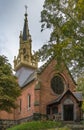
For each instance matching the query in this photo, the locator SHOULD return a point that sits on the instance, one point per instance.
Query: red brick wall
(24, 102)
(37, 102)
(4, 115)
(47, 94)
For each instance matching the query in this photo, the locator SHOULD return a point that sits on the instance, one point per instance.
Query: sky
(12, 21)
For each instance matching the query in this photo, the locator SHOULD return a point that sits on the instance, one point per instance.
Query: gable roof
(77, 95)
(25, 75)
(43, 67)
(31, 76)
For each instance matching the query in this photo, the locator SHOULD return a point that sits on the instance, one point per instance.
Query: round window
(57, 85)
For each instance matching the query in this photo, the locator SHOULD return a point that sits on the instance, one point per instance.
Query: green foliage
(80, 83)
(66, 20)
(83, 106)
(37, 125)
(80, 87)
(9, 88)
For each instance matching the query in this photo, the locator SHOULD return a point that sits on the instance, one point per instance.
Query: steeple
(26, 34)
(25, 57)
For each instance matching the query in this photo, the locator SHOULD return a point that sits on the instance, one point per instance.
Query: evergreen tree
(9, 88)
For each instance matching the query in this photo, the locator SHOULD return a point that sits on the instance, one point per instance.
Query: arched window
(57, 84)
(29, 101)
(20, 105)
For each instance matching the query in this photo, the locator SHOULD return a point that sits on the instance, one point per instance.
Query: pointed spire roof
(26, 34)
(25, 57)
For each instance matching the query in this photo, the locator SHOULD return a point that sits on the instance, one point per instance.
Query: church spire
(26, 34)
(25, 57)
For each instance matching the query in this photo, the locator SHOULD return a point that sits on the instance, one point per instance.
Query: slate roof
(78, 95)
(31, 77)
(24, 75)
(25, 29)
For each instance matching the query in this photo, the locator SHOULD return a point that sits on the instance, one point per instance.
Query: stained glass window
(57, 84)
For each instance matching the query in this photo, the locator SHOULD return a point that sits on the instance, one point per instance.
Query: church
(46, 93)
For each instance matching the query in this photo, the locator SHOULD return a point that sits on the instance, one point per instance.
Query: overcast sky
(12, 21)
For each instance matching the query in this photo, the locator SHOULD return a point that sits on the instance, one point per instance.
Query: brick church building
(46, 92)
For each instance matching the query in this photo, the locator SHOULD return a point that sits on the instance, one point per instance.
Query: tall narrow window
(29, 101)
(20, 105)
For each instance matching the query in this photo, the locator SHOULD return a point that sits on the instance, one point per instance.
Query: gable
(48, 71)
(65, 96)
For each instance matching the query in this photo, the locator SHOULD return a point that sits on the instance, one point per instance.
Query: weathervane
(26, 9)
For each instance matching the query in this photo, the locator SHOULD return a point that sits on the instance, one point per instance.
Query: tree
(9, 88)
(80, 87)
(80, 84)
(65, 18)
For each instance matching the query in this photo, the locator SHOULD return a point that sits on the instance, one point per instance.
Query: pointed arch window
(29, 101)
(20, 105)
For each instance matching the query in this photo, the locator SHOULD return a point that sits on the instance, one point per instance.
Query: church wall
(5, 115)
(25, 111)
(37, 102)
(6, 120)
(71, 83)
(47, 94)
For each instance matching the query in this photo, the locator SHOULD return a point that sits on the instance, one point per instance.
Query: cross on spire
(26, 9)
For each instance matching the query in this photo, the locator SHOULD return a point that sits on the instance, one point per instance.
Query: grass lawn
(40, 125)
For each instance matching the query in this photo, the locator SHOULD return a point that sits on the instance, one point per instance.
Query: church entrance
(68, 113)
